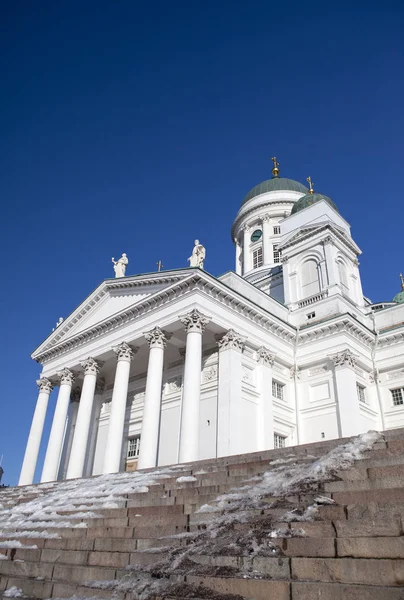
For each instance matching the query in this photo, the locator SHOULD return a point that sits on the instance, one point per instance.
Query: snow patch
(13, 592)
(186, 479)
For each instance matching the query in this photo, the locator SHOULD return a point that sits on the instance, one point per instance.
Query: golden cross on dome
(310, 182)
(275, 170)
(159, 265)
(402, 281)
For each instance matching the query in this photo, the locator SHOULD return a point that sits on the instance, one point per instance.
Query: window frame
(277, 386)
(136, 439)
(279, 441)
(400, 400)
(361, 393)
(276, 254)
(276, 230)
(258, 257)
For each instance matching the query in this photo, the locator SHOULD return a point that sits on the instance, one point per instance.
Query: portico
(185, 339)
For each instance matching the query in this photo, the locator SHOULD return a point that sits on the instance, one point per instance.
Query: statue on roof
(402, 281)
(120, 265)
(198, 255)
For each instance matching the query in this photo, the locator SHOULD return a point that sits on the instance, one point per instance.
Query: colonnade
(194, 323)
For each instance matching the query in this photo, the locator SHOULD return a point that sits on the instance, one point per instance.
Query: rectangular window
(279, 441)
(133, 447)
(398, 396)
(257, 258)
(277, 230)
(360, 390)
(277, 390)
(277, 253)
(310, 315)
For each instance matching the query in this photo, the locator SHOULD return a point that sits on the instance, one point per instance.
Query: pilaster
(229, 426)
(265, 425)
(348, 412)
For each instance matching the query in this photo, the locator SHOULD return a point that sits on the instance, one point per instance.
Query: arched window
(343, 278)
(310, 280)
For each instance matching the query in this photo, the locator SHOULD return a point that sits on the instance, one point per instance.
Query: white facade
(284, 351)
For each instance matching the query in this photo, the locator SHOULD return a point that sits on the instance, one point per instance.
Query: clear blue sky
(138, 126)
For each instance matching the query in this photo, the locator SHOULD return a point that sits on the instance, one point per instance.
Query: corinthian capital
(344, 359)
(156, 338)
(265, 357)
(45, 385)
(231, 340)
(194, 321)
(91, 366)
(66, 377)
(125, 352)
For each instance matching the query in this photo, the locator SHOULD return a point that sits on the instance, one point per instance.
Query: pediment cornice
(340, 323)
(308, 232)
(194, 279)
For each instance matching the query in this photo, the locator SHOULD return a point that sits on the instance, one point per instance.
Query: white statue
(59, 322)
(120, 265)
(198, 255)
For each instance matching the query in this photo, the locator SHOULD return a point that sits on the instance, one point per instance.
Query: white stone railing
(312, 299)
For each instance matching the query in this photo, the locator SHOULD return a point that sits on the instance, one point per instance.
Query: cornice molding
(101, 292)
(333, 230)
(340, 323)
(248, 212)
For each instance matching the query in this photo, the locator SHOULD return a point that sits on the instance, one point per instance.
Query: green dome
(275, 184)
(310, 199)
(399, 298)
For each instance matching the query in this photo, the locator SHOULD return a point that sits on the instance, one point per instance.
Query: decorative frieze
(247, 374)
(66, 377)
(320, 370)
(91, 366)
(194, 321)
(209, 374)
(294, 372)
(44, 385)
(265, 357)
(231, 340)
(173, 385)
(395, 374)
(156, 338)
(344, 359)
(125, 352)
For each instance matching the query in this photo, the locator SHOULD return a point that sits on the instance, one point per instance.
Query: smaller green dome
(310, 199)
(399, 298)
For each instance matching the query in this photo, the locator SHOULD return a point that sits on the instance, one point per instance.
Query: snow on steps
(317, 521)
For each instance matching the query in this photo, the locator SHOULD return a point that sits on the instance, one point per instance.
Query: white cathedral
(178, 365)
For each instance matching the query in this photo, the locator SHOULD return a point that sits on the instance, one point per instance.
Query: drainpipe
(295, 377)
(376, 371)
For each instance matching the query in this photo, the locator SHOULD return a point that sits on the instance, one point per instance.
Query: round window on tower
(256, 235)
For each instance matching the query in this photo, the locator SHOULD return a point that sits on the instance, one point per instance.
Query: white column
(229, 424)
(266, 246)
(81, 431)
(113, 447)
(348, 409)
(330, 253)
(35, 434)
(265, 437)
(55, 444)
(69, 432)
(95, 422)
(238, 255)
(152, 403)
(246, 250)
(195, 324)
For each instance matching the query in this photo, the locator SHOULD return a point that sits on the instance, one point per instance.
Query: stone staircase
(316, 522)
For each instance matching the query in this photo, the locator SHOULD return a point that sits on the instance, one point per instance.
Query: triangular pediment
(110, 298)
